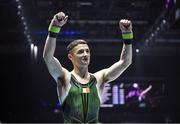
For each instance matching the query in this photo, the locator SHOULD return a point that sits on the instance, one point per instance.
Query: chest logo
(86, 90)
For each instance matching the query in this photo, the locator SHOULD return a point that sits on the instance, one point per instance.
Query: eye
(87, 51)
(80, 51)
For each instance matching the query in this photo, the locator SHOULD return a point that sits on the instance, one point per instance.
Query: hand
(59, 19)
(125, 25)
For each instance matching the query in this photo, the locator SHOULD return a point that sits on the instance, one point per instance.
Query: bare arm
(119, 67)
(53, 65)
(114, 71)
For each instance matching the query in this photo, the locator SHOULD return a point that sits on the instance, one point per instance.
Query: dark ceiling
(93, 20)
(98, 20)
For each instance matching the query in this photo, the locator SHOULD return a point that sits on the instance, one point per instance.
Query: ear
(70, 56)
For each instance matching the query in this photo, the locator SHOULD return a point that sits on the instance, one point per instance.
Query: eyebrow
(83, 49)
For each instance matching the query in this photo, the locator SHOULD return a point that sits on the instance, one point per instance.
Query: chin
(84, 64)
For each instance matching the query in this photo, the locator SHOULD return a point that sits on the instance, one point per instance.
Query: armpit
(61, 82)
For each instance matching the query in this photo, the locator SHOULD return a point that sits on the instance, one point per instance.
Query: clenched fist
(59, 19)
(125, 25)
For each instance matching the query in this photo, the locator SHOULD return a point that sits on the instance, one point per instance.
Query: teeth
(85, 59)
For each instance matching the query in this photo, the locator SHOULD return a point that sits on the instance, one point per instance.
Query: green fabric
(54, 29)
(127, 36)
(81, 107)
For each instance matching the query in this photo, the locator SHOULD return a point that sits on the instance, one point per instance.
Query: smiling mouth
(85, 59)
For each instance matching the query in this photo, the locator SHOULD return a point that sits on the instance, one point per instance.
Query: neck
(81, 71)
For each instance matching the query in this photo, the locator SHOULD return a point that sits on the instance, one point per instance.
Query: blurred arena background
(28, 92)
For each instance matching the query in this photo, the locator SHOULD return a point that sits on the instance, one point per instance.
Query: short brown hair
(75, 43)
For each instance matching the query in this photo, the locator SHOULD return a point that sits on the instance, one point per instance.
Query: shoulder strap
(92, 80)
(74, 81)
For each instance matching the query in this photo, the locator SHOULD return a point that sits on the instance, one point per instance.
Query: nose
(85, 53)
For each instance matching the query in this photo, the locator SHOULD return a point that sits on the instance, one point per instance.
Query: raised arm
(114, 71)
(53, 65)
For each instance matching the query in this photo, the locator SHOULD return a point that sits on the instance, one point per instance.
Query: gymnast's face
(80, 55)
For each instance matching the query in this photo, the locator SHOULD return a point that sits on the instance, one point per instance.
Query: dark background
(28, 92)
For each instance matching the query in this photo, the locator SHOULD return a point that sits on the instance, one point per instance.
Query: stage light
(24, 23)
(19, 7)
(135, 85)
(158, 28)
(28, 36)
(164, 21)
(146, 40)
(35, 51)
(137, 50)
(25, 28)
(18, 13)
(22, 18)
(152, 34)
(72, 32)
(32, 47)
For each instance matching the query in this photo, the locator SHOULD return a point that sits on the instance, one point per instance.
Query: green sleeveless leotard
(81, 107)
